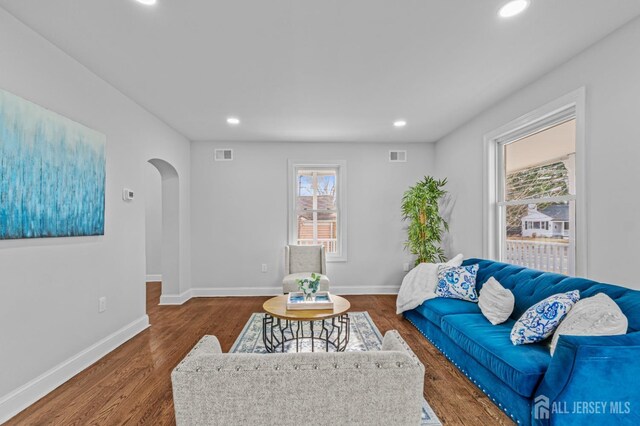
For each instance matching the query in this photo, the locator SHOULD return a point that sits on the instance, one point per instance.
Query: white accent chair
(300, 262)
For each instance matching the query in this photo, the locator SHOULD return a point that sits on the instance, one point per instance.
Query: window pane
(318, 228)
(541, 165)
(538, 236)
(316, 190)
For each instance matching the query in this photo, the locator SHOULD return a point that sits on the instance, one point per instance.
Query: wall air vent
(223, 155)
(398, 156)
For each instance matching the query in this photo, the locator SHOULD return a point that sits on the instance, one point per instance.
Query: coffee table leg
(267, 332)
(344, 319)
(274, 333)
(312, 336)
(282, 330)
(326, 334)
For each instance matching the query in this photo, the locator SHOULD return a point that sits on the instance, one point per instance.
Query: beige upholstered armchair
(300, 262)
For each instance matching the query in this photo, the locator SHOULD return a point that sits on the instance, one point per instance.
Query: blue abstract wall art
(52, 173)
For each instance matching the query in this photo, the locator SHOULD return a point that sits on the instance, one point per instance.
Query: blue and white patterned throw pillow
(457, 282)
(541, 320)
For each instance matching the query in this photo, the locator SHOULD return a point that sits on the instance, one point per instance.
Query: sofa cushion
(435, 309)
(519, 367)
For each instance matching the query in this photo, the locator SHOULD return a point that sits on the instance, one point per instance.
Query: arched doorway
(170, 228)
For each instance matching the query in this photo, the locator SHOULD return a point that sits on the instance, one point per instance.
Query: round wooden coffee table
(326, 328)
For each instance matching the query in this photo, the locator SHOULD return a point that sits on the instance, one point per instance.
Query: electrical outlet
(102, 304)
(264, 267)
(405, 267)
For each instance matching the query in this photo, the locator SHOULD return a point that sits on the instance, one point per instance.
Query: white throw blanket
(420, 284)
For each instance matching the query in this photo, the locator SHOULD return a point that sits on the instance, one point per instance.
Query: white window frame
(341, 203)
(571, 105)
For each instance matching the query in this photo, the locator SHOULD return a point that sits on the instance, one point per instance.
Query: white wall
(609, 70)
(49, 289)
(239, 214)
(153, 221)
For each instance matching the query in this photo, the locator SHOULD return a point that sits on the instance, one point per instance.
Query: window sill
(340, 259)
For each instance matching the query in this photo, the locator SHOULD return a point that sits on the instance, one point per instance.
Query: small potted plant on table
(309, 286)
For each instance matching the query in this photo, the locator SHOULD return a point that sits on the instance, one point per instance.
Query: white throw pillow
(594, 316)
(420, 284)
(495, 302)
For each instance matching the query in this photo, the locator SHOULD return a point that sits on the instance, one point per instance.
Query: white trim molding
(571, 105)
(354, 290)
(236, 291)
(154, 278)
(22, 397)
(341, 183)
(176, 299)
(276, 291)
(180, 299)
(247, 291)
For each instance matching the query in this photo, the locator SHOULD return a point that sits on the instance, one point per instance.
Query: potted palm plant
(420, 209)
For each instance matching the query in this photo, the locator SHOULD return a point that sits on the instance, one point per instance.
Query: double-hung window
(533, 178)
(316, 206)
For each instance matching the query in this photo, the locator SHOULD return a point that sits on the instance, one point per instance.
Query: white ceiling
(329, 70)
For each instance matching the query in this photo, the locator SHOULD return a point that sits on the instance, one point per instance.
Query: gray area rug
(364, 336)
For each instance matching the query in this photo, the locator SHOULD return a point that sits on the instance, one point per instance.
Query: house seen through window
(537, 202)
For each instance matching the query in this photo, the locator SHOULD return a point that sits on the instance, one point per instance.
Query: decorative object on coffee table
(309, 286)
(299, 301)
(325, 328)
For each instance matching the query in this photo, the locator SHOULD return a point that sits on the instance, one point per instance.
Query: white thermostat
(127, 194)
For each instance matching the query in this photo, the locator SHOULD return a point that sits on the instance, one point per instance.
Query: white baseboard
(22, 397)
(179, 299)
(154, 277)
(236, 291)
(382, 289)
(175, 299)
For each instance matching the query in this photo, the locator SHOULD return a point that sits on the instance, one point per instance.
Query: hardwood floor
(132, 384)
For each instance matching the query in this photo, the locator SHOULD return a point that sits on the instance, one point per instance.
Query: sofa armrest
(588, 375)
(207, 345)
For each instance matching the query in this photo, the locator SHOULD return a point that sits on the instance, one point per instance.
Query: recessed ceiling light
(147, 2)
(399, 123)
(234, 121)
(513, 8)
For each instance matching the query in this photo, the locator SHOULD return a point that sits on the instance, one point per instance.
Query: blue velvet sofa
(589, 380)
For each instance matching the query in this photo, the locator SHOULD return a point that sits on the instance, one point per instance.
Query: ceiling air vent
(398, 156)
(223, 155)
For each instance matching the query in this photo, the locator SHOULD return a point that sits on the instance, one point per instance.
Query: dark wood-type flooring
(132, 384)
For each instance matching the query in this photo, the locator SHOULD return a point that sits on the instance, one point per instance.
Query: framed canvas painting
(52, 173)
